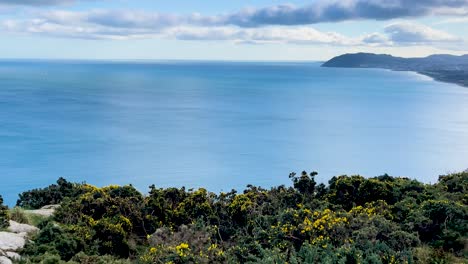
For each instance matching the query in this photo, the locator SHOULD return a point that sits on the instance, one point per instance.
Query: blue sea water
(221, 125)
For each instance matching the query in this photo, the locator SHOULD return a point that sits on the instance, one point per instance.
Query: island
(441, 67)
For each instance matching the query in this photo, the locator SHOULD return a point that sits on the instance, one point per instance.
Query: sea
(221, 125)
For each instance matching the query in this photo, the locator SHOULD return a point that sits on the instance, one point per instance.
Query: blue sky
(230, 30)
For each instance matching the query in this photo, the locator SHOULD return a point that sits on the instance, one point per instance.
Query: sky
(230, 30)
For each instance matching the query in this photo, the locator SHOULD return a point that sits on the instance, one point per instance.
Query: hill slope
(446, 68)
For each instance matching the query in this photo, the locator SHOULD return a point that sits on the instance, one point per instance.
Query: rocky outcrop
(14, 240)
(47, 210)
(21, 228)
(13, 255)
(17, 234)
(5, 260)
(11, 242)
(8, 257)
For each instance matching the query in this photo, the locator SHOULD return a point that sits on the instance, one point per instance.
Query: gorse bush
(351, 220)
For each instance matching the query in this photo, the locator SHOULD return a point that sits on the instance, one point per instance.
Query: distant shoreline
(442, 68)
(433, 78)
(441, 79)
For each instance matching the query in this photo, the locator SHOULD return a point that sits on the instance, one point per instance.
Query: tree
(305, 184)
(344, 191)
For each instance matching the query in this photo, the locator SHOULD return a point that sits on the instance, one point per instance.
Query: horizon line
(206, 60)
(155, 60)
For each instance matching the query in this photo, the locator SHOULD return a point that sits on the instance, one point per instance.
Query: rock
(13, 255)
(18, 228)
(14, 240)
(5, 260)
(11, 241)
(47, 210)
(51, 206)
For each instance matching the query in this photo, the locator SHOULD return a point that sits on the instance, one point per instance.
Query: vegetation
(54, 194)
(21, 216)
(18, 215)
(351, 220)
(3, 214)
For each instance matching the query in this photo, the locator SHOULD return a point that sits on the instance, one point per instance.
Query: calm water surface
(222, 125)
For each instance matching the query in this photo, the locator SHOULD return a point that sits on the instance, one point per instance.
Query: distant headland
(445, 68)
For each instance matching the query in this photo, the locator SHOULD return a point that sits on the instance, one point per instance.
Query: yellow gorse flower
(183, 249)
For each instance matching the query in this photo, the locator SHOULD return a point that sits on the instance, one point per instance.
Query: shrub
(190, 244)
(352, 220)
(82, 258)
(3, 214)
(53, 194)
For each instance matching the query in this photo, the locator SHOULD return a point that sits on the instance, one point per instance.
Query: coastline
(442, 68)
(422, 73)
(435, 78)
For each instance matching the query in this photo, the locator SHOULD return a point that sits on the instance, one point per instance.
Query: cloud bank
(336, 11)
(318, 12)
(275, 24)
(121, 25)
(72, 25)
(297, 35)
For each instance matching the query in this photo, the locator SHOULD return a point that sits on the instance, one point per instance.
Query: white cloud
(376, 39)
(317, 12)
(412, 33)
(296, 35)
(46, 28)
(120, 25)
(335, 10)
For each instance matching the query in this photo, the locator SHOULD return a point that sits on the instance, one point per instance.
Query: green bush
(3, 214)
(53, 194)
(353, 219)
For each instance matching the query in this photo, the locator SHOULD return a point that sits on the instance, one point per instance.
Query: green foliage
(352, 220)
(305, 184)
(35, 219)
(55, 240)
(80, 258)
(110, 217)
(442, 223)
(3, 214)
(53, 194)
(454, 186)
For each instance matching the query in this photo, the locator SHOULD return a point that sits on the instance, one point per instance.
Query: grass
(21, 216)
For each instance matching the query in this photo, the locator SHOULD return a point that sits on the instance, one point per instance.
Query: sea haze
(221, 125)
